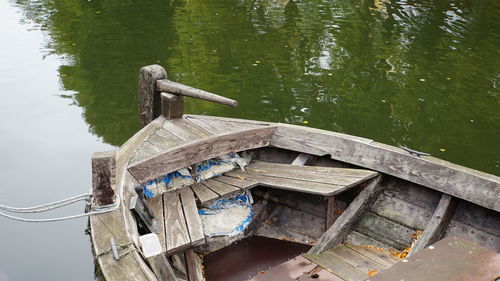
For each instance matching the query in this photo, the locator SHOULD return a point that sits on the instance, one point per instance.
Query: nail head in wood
(172, 106)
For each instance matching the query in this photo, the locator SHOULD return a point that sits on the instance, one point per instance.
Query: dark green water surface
(422, 74)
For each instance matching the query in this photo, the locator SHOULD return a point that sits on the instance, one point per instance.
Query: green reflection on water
(422, 74)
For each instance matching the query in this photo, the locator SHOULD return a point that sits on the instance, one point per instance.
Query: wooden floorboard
(337, 266)
(203, 193)
(222, 189)
(381, 257)
(193, 220)
(176, 232)
(360, 262)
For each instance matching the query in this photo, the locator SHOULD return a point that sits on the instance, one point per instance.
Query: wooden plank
(428, 171)
(204, 193)
(239, 183)
(355, 259)
(290, 184)
(449, 259)
(336, 266)
(103, 177)
(172, 106)
(180, 89)
(346, 222)
(194, 266)
(383, 258)
(385, 231)
(437, 225)
(401, 211)
(483, 238)
(155, 204)
(304, 175)
(192, 218)
(301, 159)
(184, 130)
(162, 268)
(358, 239)
(176, 232)
(224, 126)
(197, 151)
(289, 271)
(345, 172)
(149, 96)
(157, 139)
(222, 189)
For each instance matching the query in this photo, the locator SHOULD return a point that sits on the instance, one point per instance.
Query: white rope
(48, 206)
(42, 208)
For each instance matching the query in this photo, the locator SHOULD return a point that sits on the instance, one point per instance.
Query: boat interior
(215, 198)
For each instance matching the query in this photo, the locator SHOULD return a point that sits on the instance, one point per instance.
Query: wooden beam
(330, 211)
(172, 106)
(199, 150)
(149, 96)
(301, 159)
(468, 184)
(194, 266)
(348, 220)
(436, 227)
(168, 86)
(103, 177)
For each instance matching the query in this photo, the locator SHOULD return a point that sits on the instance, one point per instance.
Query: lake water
(423, 74)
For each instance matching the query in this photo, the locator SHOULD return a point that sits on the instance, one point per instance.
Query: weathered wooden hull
(424, 193)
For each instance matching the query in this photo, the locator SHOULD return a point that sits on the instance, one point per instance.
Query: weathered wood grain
(103, 177)
(168, 86)
(204, 193)
(222, 189)
(483, 238)
(351, 216)
(401, 211)
(290, 184)
(155, 204)
(436, 227)
(334, 177)
(161, 142)
(194, 266)
(330, 211)
(385, 231)
(315, 170)
(185, 130)
(474, 186)
(355, 259)
(381, 257)
(336, 266)
(358, 239)
(172, 106)
(194, 152)
(192, 218)
(176, 232)
(239, 183)
(149, 96)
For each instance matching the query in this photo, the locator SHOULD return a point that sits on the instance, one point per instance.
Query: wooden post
(330, 212)
(149, 96)
(172, 106)
(349, 219)
(103, 177)
(194, 266)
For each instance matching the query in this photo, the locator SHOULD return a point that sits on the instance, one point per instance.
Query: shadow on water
(422, 74)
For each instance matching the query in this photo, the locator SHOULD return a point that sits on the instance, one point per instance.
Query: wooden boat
(364, 207)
